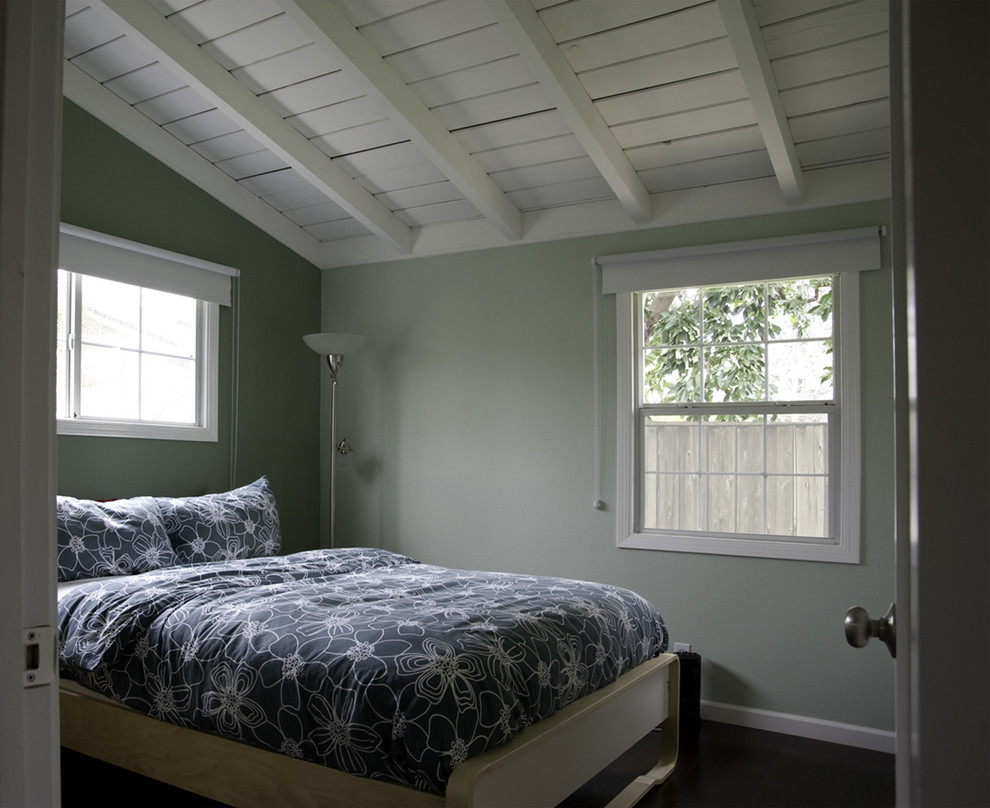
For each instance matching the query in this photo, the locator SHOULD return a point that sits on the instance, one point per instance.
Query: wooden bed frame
(541, 766)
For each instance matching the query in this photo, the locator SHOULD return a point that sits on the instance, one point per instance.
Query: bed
(193, 653)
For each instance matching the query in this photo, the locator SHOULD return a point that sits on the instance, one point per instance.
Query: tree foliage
(725, 330)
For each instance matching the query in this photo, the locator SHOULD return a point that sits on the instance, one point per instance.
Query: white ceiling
(366, 130)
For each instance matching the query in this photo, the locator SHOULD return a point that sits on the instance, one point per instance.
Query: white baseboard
(817, 729)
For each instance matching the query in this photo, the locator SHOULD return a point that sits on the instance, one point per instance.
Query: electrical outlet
(682, 647)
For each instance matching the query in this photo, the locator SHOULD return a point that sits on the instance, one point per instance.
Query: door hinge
(39, 655)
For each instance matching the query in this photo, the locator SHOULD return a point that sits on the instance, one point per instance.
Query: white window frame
(843, 255)
(86, 252)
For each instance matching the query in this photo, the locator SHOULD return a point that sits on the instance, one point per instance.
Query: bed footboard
(539, 767)
(547, 762)
(223, 770)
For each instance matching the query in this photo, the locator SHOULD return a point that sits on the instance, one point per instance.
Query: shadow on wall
(721, 684)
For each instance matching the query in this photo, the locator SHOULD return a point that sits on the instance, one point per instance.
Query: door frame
(30, 176)
(902, 299)
(941, 256)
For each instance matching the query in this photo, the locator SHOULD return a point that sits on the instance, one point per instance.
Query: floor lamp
(333, 347)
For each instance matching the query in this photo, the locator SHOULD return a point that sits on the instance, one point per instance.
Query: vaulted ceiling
(366, 130)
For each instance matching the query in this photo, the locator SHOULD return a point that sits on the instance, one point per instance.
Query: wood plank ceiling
(364, 130)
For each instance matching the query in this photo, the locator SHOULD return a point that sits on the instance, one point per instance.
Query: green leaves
(710, 344)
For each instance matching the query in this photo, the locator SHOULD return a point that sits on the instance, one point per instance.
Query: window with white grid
(738, 402)
(137, 342)
(133, 362)
(735, 396)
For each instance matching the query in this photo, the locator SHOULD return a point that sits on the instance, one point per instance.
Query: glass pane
(732, 503)
(670, 479)
(670, 502)
(734, 313)
(800, 371)
(797, 506)
(735, 373)
(732, 446)
(109, 387)
(168, 389)
(798, 444)
(671, 317)
(110, 313)
(671, 375)
(168, 323)
(801, 309)
(670, 444)
(61, 345)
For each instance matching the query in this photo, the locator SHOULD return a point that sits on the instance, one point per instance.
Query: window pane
(672, 374)
(671, 317)
(798, 444)
(670, 479)
(735, 353)
(110, 313)
(732, 446)
(735, 373)
(670, 502)
(168, 389)
(109, 386)
(800, 371)
(797, 506)
(670, 444)
(168, 323)
(800, 309)
(734, 313)
(732, 503)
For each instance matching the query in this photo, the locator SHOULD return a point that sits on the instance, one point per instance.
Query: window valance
(92, 253)
(743, 261)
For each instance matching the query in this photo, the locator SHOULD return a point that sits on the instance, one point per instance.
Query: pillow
(120, 537)
(242, 523)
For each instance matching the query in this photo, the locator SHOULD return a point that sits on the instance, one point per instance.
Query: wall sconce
(334, 346)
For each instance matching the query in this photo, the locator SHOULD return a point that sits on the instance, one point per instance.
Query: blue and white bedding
(359, 659)
(125, 536)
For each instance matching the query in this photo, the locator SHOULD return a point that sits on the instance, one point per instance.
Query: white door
(30, 150)
(941, 221)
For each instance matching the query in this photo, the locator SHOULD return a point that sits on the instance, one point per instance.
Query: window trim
(845, 545)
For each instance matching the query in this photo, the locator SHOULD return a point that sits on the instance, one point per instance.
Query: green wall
(472, 411)
(110, 185)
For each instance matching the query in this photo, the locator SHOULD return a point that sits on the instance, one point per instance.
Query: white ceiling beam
(754, 65)
(825, 188)
(82, 89)
(179, 53)
(535, 44)
(327, 26)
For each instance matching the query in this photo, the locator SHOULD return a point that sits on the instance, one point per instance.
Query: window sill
(770, 547)
(122, 429)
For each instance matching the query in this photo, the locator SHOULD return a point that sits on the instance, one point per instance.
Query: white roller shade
(116, 259)
(743, 261)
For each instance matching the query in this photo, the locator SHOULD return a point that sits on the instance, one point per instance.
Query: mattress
(359, 659)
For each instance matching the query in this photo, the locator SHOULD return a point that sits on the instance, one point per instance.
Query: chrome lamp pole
(333, 346)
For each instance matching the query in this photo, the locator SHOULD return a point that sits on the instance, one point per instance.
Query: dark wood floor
(734, 767)
(718, 765)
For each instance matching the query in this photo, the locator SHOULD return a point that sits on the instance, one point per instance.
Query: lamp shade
(334, 344)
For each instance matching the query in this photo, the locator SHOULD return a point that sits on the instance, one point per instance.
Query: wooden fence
(736, 477)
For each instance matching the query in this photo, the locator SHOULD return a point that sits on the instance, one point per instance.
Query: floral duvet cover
(359, 659)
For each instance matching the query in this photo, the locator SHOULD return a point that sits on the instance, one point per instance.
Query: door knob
(860, 628)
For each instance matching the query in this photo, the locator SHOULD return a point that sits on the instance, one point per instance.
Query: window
(137, 343)
(738, 398)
